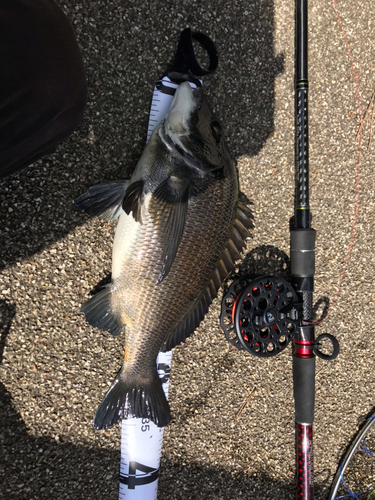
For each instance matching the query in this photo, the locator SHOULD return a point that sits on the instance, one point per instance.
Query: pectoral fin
(133, 200)
(168, 208)
(103, 200)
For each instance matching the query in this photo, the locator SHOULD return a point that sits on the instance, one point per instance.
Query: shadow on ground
(7, 313)
(37, 468)
(266, 260)
(36, 205)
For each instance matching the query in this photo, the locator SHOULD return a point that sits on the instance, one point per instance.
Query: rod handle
(304, 389)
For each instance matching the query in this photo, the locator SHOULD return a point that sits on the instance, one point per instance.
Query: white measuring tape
(141, 442)
(141, 439)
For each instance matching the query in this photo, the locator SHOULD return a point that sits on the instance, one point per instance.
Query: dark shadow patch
(321, 306)
(35, 468)
(38, 468)
(37, 204)
(7, 313)
(266, 260)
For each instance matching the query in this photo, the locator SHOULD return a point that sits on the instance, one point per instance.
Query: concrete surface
(55, 368)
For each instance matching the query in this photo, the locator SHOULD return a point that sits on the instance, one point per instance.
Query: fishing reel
(260, 315)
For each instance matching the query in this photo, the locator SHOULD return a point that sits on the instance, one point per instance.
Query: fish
(181, 229)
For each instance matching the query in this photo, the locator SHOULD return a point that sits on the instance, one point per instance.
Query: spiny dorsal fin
(190, 324)
(225, 265)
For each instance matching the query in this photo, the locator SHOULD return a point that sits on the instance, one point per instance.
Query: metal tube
(345, 460)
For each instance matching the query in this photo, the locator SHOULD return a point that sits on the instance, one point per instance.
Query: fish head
(192, 132)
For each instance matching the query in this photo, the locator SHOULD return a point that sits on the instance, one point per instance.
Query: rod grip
(304, 389)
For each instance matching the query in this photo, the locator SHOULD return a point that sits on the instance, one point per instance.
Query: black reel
(260, 315)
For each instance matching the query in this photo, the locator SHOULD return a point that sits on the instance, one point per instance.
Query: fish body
(180, 230)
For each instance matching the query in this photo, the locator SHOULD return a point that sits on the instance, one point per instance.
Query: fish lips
(185, 104)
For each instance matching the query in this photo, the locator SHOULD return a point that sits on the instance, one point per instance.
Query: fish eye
(216, 129)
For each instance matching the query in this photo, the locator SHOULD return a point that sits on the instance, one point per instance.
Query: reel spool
(260, 315)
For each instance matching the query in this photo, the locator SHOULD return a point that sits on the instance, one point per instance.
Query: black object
(318, 345)
(302, 209)
(302, 258)
(304, 389)
(260, 315)
(184, 65)
(43, 86)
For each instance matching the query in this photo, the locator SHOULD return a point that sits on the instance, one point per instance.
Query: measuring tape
(141, 442)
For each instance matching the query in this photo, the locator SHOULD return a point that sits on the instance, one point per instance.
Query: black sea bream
(181, 228)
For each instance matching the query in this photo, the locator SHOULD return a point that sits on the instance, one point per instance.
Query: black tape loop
(335, 345)
(185, 62)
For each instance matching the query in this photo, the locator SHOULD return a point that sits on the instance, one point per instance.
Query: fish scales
(155, 310)
(180, 230)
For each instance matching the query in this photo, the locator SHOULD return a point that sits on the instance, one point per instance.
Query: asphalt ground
(55, 368)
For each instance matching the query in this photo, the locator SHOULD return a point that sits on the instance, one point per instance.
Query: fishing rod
(302, 259)
(264, 314)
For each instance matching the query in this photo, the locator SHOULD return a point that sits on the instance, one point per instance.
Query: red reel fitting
(260, 315)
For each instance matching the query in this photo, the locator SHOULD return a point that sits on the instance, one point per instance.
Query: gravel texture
(55, 368)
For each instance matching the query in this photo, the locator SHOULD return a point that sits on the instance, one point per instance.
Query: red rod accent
(305, 472)
(303, 348)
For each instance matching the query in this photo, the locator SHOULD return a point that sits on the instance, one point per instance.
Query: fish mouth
(186, 103)
(179, 132)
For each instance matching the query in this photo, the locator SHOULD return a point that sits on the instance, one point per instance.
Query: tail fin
(125, 401)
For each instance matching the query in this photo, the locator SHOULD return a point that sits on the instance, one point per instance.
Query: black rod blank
(302, 209)
(301, 41)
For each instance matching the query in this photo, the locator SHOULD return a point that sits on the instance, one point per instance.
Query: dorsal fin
(226, 264)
